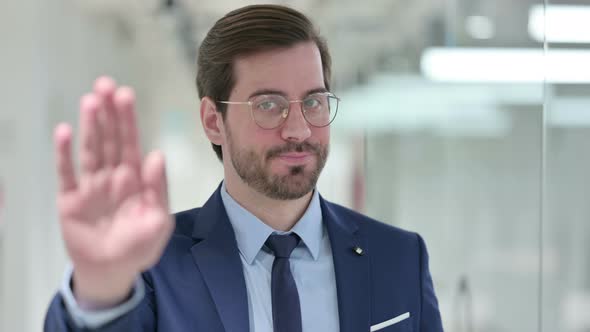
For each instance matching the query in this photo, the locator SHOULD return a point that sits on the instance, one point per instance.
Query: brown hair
(246, 31)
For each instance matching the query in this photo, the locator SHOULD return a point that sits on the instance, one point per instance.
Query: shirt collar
(251, 232)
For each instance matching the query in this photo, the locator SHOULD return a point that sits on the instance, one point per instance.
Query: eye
(270, 104)
(267, 105)
(311, 103)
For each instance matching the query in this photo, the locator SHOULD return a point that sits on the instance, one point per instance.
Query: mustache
(293, 147)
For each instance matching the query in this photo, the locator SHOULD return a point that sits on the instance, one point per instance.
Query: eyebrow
(282, 93)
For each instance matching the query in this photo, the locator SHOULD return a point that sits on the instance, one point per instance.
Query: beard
(254, 170)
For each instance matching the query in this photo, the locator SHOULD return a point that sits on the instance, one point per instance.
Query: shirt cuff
(96, 318)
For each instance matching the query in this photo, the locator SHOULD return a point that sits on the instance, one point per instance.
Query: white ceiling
(364, 37)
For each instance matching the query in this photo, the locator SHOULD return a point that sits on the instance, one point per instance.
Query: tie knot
(282, 245)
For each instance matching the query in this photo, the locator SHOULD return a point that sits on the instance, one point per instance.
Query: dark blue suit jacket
(198, 285)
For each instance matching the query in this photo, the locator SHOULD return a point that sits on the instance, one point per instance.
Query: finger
(125, 105)
(153, 175)
(90, 135)
(105, 88)
(125, 183)
(65, 167)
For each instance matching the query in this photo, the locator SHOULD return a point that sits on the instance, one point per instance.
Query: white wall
(51, 53)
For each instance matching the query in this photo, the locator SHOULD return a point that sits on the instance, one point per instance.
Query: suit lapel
(218, 259)
(352, 271)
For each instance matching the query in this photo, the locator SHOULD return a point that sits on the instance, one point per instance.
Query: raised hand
(114, 214)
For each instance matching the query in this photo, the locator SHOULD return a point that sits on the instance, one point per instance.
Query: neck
(281, 215)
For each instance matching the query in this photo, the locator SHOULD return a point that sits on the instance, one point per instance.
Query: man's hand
(114, 215)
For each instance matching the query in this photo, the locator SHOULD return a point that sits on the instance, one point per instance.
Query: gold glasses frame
(285, 112)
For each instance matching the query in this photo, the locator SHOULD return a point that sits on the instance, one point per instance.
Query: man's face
(282, 163)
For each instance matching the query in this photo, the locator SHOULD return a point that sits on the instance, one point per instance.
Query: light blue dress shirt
(311, 264)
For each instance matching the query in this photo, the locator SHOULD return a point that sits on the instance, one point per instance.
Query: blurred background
(464, 120)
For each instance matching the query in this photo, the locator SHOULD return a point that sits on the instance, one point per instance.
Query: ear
(212, 121)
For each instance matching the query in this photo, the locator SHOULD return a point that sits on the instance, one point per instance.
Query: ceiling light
(480, 27)
(506, 65)
(560, 23)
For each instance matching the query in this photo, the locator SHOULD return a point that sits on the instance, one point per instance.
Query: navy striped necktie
(286, 310)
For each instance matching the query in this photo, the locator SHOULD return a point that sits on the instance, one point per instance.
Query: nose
(295, 128)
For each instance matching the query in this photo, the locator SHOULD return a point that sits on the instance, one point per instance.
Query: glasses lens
(320, 109)
(269, 111)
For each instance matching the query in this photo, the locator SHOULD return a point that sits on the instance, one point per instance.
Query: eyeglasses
(270, 111)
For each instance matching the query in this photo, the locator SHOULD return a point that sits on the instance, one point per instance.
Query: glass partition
(454, 150)
(566, 226)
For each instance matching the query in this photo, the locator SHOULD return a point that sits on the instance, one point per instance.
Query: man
(266, 252)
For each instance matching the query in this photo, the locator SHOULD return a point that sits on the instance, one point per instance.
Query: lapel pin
(358, 250)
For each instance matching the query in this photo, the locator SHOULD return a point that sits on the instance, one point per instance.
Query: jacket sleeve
(139, 317)
(430, 319)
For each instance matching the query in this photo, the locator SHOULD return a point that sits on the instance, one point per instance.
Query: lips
(295, 153)
(295, 157)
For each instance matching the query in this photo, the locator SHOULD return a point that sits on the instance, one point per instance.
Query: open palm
(114, 215)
